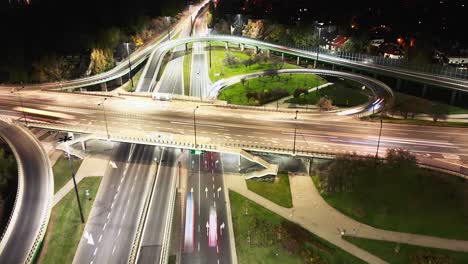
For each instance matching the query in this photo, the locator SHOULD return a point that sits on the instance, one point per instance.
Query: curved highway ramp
(31, 212)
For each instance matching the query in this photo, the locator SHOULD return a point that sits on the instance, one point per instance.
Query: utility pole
(195, 125)
(105, 117)
(295, 130)
(129, 66)
(378, 142)
(65, 140)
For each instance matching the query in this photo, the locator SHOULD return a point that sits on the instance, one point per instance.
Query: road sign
(197, 152)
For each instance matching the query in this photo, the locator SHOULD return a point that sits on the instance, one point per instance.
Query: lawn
(136, 77)
(402, 253)
(62, 173)
(220, 71)
(343, 93)
(267, 87)
(65, 228)
(403, 198)
(274, 239)
(187, 72)
(277, 190)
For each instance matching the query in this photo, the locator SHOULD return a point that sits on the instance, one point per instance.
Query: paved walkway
(313, 213)
(281, 103)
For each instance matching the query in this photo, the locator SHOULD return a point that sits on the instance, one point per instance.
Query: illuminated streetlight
(320, 25)
(105, 117)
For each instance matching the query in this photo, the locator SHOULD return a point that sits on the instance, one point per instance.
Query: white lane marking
(104, 227)
(113, 250)
(108, 215)
(95, 251)
(100, 238)
(118, 233)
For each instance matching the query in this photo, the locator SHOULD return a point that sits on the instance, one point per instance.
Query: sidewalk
(313, 213)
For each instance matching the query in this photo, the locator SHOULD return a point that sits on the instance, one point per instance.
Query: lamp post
(105, 117)
(295, 130)
(22, 106)
(65, 140)
(195, 125)
(318, 44)
(168, 27)
(129, 66)
(378, 142)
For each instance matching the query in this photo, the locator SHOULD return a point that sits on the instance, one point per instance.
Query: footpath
(316, 215)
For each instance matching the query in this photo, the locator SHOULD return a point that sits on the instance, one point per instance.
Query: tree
(399, 157)
(52, 68)
(230, 60)
(300, 91)
(101, 60)
(7, 171)
(439, 112)
(222, 27)
(325, 104)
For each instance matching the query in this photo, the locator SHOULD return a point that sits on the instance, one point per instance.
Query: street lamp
(378, 142)
(22, 106)
(129, 65)
(195, 125)
(295, 130)
(105, 117)
(65, 140)
(318, 43)
(168, 27)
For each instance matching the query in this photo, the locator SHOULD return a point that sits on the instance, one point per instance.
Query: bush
(230, 60)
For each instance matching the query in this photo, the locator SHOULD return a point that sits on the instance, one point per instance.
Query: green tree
(439, 112)
(101, 60)
(51, 68)
(7, 171)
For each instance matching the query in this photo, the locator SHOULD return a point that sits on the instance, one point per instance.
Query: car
(213, 228)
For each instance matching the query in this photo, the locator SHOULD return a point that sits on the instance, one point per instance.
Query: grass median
(187, 72)
(264, 237)
(277, 190)
(136, 78)
(396, 253)
(62, 172)
(65, 227)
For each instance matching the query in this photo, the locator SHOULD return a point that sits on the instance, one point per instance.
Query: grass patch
(62, 173)
(136, 77)
(415, 122)
(277, 190)
(343, 93)
(65, 228)
(274, 239)
(187, 72)
(221, 71)
(398, 196)
(403, 253)
(267, 87)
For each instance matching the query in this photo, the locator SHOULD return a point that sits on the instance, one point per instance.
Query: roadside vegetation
(396, 194)
(264, 237)
(8, 183)
(262, 90)
(65, 228)
(229, 63)
(136, 78)
(187, 72)
(396, 253)
(342, 93)
(61, 170)
(275, 189)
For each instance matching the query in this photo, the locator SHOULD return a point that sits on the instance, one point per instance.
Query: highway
(114, 217)
(200, 79)
(156, 229)
(204, 181)
(241, 128)
(31, 211)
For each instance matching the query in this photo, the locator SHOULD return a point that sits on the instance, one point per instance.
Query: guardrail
(167, 231)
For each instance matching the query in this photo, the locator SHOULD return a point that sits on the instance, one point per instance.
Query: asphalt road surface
(34, 197)
(119, 202)
(158, 212)
(206, 182)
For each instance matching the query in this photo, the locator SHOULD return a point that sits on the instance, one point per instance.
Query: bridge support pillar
(398, 84)
(453, 97)
(119, 81)
(186, 47)
(227, 45)
(83, 146)
(256, 50)
(282, 56)
(298, 60)
(424, 90)
(242, 47)
(333, 67)
(103, 86)
(268, 53)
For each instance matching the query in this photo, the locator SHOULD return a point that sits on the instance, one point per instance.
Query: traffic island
(275, 189)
